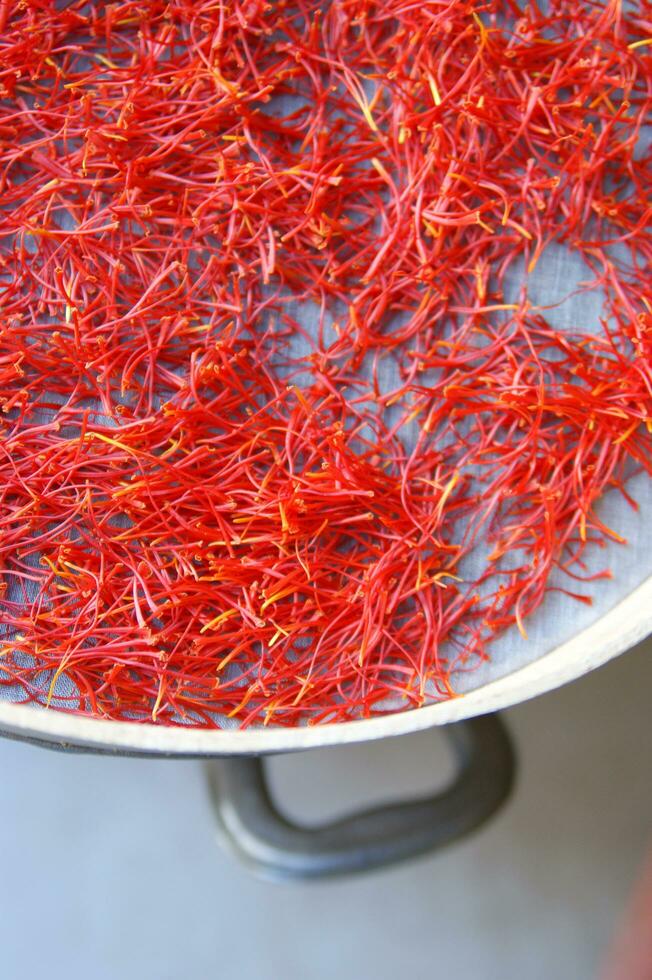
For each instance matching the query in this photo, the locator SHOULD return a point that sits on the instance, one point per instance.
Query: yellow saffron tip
(436, 97)
(218, 620)
(521, 628)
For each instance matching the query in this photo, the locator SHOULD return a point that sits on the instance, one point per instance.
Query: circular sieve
(565, 638)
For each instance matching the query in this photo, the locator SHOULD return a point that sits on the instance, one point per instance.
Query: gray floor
(110, 868)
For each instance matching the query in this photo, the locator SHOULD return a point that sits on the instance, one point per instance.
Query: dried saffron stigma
(288, 432)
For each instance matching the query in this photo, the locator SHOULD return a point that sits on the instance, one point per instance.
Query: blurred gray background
(110, 867)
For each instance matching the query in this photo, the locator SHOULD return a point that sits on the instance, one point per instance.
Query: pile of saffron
(209, 510)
